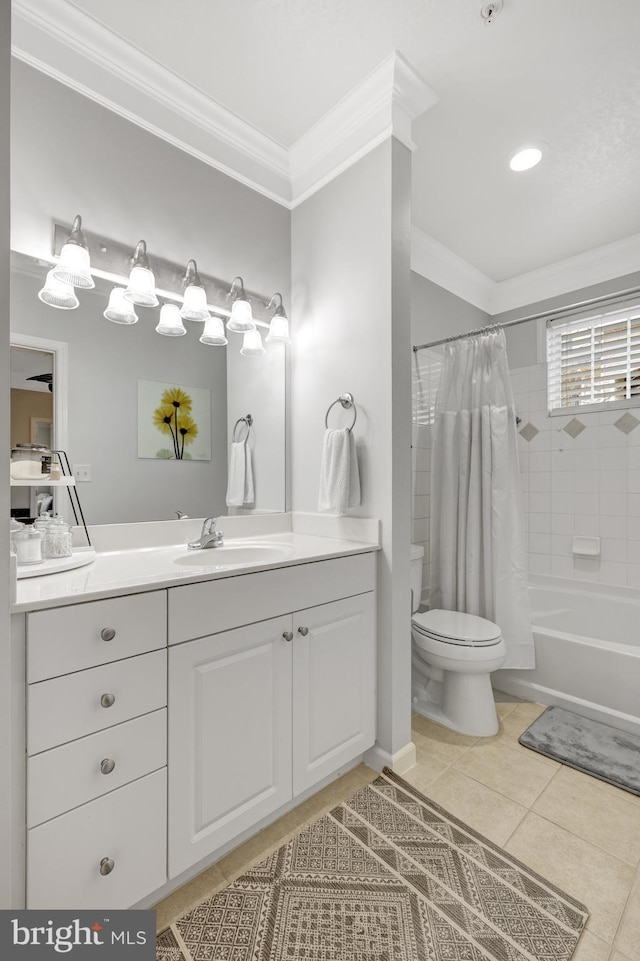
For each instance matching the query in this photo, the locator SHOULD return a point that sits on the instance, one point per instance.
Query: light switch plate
(82, 473)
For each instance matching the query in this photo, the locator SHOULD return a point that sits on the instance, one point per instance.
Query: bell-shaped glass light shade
(57, 293)
(278, 330)
(73, 267)
(213, 333)
(170, 323)
(119, 310)
(241, 319)
(252, 344)
(142, 287)
(195, 304)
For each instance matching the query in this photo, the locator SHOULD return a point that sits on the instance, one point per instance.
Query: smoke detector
(490, 10)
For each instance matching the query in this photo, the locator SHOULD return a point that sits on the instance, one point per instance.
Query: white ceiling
(566, 72)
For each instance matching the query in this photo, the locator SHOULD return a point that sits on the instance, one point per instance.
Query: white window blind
(595, 359)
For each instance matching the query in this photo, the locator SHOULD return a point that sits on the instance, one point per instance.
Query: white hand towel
(339, 477)
(240, 482)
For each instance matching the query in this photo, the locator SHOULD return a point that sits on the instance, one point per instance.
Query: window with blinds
(595, 359)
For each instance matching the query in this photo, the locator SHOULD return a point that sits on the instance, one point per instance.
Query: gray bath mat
(589, 746)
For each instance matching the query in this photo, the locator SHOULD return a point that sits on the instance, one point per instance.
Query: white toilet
(452, 657)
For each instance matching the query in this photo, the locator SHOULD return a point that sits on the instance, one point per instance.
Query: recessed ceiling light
(526, 157)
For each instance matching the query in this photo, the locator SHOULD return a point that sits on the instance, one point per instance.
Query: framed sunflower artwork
(174, 421)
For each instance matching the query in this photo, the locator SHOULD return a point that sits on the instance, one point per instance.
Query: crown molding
(437, 263)
(584, 270)
(72, 47)
(383, 105)
(59, 39)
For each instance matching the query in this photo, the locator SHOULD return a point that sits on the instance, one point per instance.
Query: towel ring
(348, 403)
(247, 421)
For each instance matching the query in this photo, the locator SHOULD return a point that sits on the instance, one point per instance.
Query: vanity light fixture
(73, 266)
(241, 319)
(141, 289)
(57, 293)
(194, 306)
(213, 334)
(119, 310)
(252, 343)
(279, 326)
(170, 323)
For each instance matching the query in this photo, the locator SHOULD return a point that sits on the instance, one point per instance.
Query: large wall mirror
(106, 381)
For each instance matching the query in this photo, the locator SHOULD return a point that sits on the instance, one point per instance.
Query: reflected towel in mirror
(240, 482)
(339, 476)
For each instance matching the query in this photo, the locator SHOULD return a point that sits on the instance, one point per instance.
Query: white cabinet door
(229, 736)
(334, 682)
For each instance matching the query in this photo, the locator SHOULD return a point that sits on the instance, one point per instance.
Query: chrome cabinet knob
(107, 633)
(107, 700)
(288, 635)
(107, 765)
(303, 630)
(106, 866)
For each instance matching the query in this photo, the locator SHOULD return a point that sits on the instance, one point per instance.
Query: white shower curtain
(477, 539)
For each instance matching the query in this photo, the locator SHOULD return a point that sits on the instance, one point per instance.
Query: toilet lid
(455, 628)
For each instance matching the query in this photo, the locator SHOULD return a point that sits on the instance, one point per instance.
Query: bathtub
(587, 642)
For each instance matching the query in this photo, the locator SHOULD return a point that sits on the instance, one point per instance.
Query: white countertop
(136, 570)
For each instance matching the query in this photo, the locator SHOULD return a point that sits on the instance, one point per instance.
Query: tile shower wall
(580, 476)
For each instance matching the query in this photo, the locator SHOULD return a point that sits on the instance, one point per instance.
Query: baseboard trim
(400, 762)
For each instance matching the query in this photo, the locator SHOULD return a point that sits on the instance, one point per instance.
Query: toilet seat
(457, 629)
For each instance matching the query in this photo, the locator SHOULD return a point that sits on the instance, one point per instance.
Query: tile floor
(580, 833)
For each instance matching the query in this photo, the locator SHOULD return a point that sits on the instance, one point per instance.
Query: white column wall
(351, 304)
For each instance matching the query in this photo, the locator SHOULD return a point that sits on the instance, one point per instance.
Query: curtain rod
(523, 320)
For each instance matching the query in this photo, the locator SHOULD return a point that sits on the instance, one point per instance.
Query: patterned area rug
(386, 876)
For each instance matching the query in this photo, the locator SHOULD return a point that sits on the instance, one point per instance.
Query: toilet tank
(417, 557)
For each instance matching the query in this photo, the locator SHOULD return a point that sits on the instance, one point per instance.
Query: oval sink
(230, 556)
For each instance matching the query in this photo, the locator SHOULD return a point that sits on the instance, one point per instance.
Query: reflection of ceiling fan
(44, 379)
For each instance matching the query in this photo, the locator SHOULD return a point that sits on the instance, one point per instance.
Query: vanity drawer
(197, 610)
(127, 827)
(65, 708)
(70, 775)
(68, 639)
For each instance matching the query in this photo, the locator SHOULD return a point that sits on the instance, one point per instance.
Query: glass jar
(14, 525)
(42, 522)
(28, 546)
(30, 462)
(58, 538)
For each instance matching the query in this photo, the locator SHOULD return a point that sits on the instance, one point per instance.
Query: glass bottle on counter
(58, 538)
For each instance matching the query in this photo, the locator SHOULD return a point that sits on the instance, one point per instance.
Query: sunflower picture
(174, 422)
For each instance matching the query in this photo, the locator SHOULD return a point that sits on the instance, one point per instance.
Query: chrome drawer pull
(107, 633)
(303, 630)
(107, 700)
(288, 635)
(106, 866)
(107, 765)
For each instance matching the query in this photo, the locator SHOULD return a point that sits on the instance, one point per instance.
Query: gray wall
(72, 156)
(437, 313)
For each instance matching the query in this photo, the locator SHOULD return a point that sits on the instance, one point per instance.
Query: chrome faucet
(209, 536)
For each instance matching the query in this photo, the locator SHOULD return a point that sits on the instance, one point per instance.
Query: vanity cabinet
(261, 712)
(267, 688)
(96, 752)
